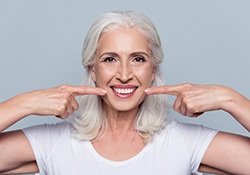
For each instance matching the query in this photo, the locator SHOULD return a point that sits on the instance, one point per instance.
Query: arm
(27, 168)
(208, 169)
(194, 100)
(15, 150)
(227, 153)
(59, 101)
(16, 153)
(239, 107)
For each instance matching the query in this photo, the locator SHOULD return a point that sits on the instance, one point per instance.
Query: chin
(124, 106)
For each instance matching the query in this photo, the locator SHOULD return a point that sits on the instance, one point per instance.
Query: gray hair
(152, 115)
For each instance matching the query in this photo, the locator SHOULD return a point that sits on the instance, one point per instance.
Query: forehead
(123, 40)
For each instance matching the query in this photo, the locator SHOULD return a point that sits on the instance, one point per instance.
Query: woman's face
(123, 67)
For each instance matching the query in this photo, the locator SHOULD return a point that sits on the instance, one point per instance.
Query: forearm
(12, 111)
(239, 107)
(59, 101)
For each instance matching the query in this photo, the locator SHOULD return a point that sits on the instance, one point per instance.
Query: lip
(123, 91)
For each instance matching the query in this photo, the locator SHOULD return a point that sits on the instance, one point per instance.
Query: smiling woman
(120, 39)
(124, 72)
(123, 128)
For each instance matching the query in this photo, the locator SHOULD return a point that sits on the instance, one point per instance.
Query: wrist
(233, 101)
(17, 106)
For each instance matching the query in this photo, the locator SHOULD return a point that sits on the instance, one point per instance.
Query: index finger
(86, 90)
(168, 89)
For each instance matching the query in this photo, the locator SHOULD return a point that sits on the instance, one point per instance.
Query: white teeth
(124, 91)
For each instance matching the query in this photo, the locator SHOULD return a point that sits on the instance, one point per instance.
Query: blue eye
(109, 59)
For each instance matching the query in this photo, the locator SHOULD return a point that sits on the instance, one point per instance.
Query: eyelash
(141, 59)
(109, 59)
(135, 59)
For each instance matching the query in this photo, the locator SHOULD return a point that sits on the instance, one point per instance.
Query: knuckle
(64, 86)
(185, 100)
(183, 94)
(66, 95)
(188, 85)
(60, 110)
(191, 108)
(64, 102)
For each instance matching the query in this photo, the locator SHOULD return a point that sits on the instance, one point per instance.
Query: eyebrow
(113, 54)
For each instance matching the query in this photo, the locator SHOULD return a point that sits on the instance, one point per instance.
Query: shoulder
(50, 132)
(177, 127)
(190, 141)
(59, 126)
(187, 133)
(48, 141)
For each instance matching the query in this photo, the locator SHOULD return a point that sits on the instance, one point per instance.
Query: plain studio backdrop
(204, 42)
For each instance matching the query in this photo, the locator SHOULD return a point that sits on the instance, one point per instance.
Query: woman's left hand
(193, 100)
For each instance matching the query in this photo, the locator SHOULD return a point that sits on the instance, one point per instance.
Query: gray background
(205, 42)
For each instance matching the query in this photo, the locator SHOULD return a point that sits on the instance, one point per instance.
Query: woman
(122, 128)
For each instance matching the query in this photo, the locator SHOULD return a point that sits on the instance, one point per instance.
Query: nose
(124, 73)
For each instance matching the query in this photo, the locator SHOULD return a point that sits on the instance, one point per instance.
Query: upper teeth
(124, 91)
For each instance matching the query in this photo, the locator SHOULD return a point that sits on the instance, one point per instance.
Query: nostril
(124, 74)
(125, 78)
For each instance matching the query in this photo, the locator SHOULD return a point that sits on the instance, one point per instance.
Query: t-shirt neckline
(116, 163)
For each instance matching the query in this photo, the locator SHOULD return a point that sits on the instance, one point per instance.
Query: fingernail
(103, 91)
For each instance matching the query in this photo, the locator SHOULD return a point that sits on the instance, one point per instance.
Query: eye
(139, 59)
(109, 59)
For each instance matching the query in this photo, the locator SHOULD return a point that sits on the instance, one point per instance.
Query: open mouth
(124, 90)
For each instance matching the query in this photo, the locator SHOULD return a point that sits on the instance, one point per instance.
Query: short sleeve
(196, 139)
(44, 138)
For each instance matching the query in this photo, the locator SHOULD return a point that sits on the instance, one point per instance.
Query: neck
(121, 120)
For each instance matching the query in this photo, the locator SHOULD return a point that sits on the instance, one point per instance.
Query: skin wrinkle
(121, 142)
(123, 45)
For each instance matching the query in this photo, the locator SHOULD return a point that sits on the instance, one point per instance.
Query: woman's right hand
(59, 101)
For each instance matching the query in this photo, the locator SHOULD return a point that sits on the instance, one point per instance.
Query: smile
(123, 90)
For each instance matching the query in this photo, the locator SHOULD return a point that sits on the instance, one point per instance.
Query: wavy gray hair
(151, 117)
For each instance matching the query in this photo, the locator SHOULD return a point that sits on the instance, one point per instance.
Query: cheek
(103, 76)
(145, 76)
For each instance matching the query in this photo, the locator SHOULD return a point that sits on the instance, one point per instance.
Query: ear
(93, 73)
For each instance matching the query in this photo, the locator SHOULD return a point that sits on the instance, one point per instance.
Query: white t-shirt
(176, 150)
